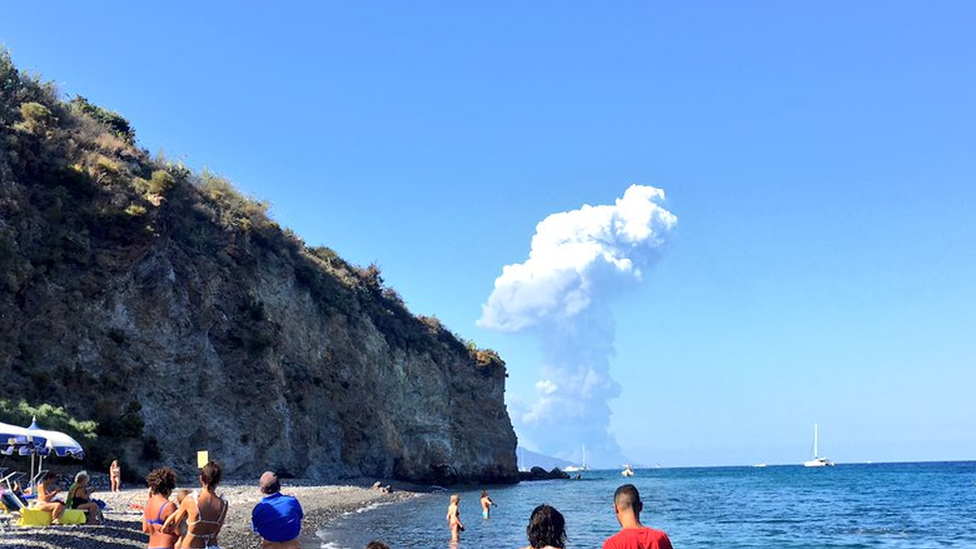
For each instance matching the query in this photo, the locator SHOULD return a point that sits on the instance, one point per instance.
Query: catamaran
(818, 460)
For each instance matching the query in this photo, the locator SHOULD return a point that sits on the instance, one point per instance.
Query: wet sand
(123, 527)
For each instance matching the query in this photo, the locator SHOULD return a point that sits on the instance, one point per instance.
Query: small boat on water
(818, 460)
(578, 468)
(628, 471)
(759, 465)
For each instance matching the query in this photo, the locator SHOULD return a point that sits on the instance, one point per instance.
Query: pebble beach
(123, 526)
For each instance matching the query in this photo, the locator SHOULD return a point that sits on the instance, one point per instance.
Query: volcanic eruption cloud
(579, 262)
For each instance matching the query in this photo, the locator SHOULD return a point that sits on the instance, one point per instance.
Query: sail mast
(816, 450)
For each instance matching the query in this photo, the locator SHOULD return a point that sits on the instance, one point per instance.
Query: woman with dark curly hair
(161, 483)
(546, 529)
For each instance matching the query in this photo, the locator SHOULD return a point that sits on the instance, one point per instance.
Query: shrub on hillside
(161, 182)
(49, 417)
(115, 121)
(36, 118)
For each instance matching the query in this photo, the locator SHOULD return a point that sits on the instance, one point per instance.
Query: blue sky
(819, 158)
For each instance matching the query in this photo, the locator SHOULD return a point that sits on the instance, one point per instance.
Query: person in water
(204, 511)
(161, 483)
(454, 517)
(486, 504)
(277, 518)
(79, 498)
(115, 475)
(633, 535)
(546, 529)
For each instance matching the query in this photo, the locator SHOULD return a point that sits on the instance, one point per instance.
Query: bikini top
(219, 522)
(159, 516)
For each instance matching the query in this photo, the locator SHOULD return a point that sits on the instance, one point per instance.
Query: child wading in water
(454, 518)
(486, 504)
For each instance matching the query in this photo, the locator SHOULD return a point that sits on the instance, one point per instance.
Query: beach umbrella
(54, 442)
(17, 439)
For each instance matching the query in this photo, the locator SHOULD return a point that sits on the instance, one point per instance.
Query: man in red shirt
(633, 535)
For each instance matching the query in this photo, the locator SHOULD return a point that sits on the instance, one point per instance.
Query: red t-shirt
(638, 538)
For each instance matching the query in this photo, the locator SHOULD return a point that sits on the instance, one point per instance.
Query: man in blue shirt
(277, 518)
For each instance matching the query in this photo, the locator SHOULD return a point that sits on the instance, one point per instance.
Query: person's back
(204, 511)
(277, 518)
(638, 538)
(205, 516)
(627, 506)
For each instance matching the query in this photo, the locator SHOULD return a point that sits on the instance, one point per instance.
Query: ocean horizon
(859, 505)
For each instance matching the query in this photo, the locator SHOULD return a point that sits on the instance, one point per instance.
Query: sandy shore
(123, 528)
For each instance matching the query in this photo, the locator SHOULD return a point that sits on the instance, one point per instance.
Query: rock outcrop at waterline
(174, 312)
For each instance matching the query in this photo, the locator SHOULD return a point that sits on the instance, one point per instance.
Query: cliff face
(172, 311)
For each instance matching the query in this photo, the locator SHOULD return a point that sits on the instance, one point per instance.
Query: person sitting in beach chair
(277, 518)
(46, 491)
(161, 483)
(204, 511)
(79, 498)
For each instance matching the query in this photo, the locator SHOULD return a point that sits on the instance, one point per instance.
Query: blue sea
(893, 505)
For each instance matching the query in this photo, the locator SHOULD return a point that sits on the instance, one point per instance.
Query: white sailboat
(818, 460)
(578, 468)
(628, 471)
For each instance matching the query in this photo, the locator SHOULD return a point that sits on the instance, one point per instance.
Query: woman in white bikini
(115, 475)
(204, 511)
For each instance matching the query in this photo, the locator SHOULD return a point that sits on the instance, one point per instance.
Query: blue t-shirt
(277, 517)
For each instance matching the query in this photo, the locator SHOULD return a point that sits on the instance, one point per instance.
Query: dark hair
(161, 481)
(627, 497)
(210, 474)
(546, 527)
(48, 476)
(377, 544)
(484, 493)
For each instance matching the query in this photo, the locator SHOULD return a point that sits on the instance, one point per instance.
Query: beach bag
(34, 517)
(73, 516)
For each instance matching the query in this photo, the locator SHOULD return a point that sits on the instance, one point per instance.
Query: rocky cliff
(174, 312)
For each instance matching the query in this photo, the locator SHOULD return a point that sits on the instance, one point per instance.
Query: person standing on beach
(277, 518)
(486, 505)
(454, 517)
(115, 475)
(633, 535)
(546, 529)
(204, 511)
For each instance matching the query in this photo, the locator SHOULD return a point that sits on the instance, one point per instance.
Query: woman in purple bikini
(161, 483)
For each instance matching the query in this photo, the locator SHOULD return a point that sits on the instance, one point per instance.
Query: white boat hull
(819, 462)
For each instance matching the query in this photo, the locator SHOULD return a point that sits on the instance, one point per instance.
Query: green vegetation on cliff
(82, 207)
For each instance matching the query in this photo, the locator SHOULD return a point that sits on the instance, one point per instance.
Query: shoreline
(322, 504)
